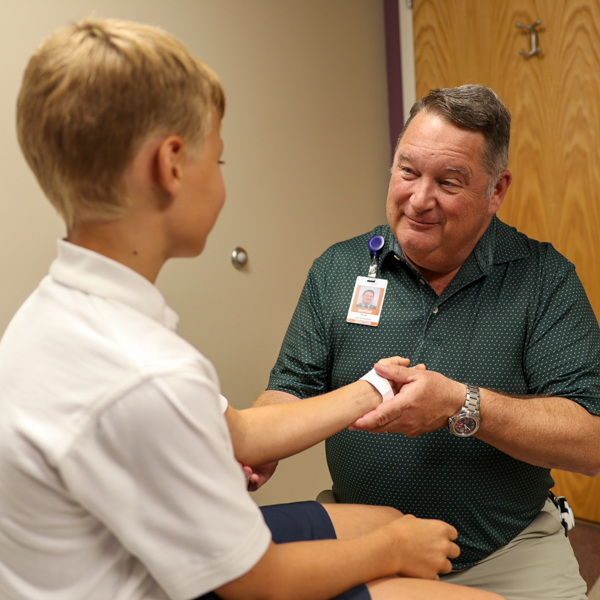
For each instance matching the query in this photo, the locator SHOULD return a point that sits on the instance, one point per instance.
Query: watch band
(472, 399)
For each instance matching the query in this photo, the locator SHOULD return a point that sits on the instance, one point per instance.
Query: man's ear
(170, 164)
(499, 192)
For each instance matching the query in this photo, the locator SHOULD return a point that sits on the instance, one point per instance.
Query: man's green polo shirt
(514, 319)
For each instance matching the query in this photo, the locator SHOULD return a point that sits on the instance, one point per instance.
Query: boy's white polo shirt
(117, 475)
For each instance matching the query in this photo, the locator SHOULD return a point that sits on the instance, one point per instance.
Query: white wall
(306, 156)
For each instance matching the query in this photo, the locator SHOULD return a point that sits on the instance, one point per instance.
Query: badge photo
(367, 301)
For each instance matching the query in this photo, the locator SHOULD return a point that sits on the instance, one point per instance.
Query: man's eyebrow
(460, 170)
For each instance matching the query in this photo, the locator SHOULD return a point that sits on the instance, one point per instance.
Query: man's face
(367, 298)
(436, 205)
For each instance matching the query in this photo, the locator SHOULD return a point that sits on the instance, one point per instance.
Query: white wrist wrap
(381, 384)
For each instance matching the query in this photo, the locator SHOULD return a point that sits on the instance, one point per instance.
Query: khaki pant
(538, 564)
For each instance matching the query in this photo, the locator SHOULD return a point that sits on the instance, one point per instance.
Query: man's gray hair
(474, 107)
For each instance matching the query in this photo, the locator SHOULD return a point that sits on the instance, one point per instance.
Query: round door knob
(239, 257)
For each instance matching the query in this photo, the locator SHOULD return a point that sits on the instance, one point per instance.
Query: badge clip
(375, 245)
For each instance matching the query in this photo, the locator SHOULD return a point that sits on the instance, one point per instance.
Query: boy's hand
(258, 476)
(422, 547)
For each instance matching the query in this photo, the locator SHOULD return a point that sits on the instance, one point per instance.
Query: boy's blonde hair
(92, 94)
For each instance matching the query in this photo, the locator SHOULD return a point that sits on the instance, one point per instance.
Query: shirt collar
(499, 243)
(99, 275)
(484, 249)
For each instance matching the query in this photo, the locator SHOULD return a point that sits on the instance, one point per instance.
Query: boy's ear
(170, 164)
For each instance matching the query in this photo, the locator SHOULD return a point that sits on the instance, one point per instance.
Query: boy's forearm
(274, 397)
(323, 569)
(271, 432)
(314, 570)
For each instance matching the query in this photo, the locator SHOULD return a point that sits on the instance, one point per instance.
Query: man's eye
(407, 170)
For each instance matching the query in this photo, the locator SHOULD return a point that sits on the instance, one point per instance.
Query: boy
(118, 477)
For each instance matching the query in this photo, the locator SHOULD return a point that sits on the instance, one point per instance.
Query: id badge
(367, 300)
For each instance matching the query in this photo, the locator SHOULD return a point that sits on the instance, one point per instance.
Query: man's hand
(397, 361)
(258, 476)
(424, 402)
(422, 547)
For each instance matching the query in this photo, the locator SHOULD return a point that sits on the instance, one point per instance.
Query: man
(367, 300)
(511, 346)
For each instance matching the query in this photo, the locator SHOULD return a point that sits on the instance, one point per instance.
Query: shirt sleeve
(302, 366)
(156, 467)
(562, 357)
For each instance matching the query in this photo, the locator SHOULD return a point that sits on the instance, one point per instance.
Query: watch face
(465, 425)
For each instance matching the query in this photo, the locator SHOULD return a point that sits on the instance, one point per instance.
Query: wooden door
(554, 98)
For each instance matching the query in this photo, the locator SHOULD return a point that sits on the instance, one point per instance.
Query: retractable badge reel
(369, 292)
(375, 244)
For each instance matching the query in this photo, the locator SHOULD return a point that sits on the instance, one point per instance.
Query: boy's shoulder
(114, 311)
(93, 327)
(96, 341)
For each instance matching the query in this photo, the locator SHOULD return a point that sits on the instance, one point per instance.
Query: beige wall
(306, 156)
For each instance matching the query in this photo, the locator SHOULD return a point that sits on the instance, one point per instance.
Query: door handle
(535, 49)
(239, 257)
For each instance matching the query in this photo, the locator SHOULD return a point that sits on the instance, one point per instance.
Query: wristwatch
(466, 421)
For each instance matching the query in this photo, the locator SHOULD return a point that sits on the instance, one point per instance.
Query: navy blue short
(299, 522)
